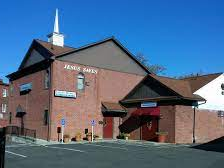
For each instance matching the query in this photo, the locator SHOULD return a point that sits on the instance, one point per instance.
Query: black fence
(16, 131)
(21, 132)
(2, 146)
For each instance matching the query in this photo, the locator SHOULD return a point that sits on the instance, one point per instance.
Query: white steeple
(56, 38)
(56, 26)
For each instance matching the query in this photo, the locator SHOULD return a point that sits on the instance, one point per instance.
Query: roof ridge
(166, 77)
(53, 44)
(202, 75)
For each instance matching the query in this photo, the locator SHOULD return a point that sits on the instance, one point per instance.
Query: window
(45, 117)
(25, 88)
(222, 87)
(4, 93)
(46, 80)
(80, 81)
(4, 106)
(10, 118)
(11, 90)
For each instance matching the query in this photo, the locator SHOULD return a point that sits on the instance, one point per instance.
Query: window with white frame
(4, 108)
(4, 93)
(80, 81)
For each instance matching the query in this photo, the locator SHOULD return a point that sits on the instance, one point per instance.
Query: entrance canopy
(111, 108)
(151, 111)
(20, 112)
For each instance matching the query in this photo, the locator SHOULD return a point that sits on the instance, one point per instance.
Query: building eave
(30, 69)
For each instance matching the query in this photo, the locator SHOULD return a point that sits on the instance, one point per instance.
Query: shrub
(66, 136)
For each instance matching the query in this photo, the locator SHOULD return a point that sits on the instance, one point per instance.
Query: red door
(149, 129)
(108, 127)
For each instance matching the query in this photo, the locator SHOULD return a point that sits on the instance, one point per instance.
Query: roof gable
(41, 50)
(157, 88)
(33, 58)
(106, 54)
(149, 88)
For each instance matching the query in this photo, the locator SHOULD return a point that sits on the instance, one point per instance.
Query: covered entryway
(108, 127)
(149, 128)
(141, 123)
(148, 119)
(112, 113)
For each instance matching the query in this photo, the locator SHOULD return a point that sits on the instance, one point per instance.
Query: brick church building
(104, 82)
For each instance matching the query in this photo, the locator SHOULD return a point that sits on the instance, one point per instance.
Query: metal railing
(21, 132)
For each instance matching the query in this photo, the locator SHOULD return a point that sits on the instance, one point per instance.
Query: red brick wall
(106, 85)
(167, 122)
(33, 103)
(208, 126)
(184, 124)
(4, 100)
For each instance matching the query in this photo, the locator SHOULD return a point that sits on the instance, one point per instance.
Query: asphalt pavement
(110, 154)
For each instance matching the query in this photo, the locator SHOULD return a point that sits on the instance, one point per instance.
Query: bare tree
(190, 75)
(156, 69)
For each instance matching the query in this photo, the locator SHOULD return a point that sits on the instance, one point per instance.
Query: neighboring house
(4, 114)
(210, 87)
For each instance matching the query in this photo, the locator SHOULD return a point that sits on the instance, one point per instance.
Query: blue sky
(184, 36)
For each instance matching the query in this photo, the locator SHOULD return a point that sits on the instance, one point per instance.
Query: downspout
(194, 117)
(49, 100)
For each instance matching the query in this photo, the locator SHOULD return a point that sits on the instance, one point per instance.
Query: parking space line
(16, 154)
(144, 145)
(140, 145)
(69, 149)
(107, 146)
(20, 145)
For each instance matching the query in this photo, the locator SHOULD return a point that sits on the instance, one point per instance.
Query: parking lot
(110, 154)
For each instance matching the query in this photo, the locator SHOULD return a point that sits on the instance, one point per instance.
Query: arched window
(46, 80)
(80, 81)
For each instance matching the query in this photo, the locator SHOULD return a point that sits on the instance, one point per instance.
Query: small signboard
(93, 122)
(24, 87)
(66, 94)
(148, 104)
(63, 122)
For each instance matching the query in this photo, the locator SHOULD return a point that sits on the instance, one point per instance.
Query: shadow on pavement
(216, 145)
